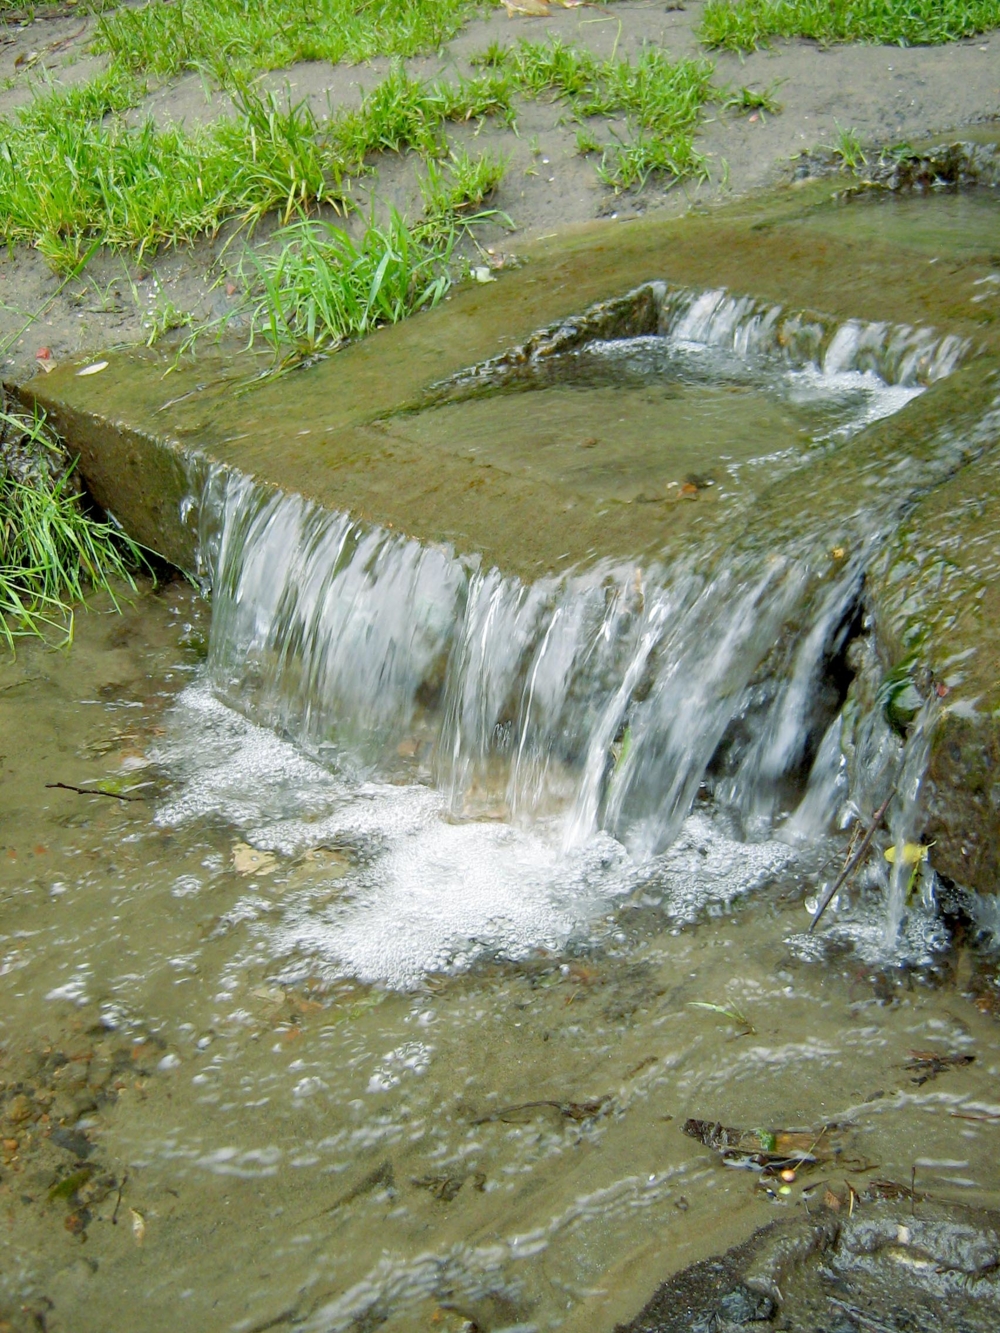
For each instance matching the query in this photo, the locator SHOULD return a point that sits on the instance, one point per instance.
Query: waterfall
(602, 696)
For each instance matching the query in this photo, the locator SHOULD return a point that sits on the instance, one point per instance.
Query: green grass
(401, 113)
(849, 150)
(227, 35)
(629, 165)
(663, 102)
(742, 25)
(52, 550)
(319, 288)
(454, 193)
(76, 167)
(760, 100)
(312, 288)
(74, 170)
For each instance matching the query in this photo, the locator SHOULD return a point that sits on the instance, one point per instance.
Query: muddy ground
(883, 94)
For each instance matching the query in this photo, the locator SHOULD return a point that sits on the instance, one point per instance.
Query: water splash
(419, 892)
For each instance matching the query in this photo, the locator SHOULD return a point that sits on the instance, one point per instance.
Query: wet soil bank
(884, 95)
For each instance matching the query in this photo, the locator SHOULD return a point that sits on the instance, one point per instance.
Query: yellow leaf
(913, 853)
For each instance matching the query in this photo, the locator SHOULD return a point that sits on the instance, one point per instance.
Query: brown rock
(18, 1109)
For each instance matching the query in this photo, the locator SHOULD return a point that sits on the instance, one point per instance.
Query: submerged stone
(881, 1267)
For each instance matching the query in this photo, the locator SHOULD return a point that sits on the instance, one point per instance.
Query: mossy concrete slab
(320, 432)
(350, 434)
(935, 596)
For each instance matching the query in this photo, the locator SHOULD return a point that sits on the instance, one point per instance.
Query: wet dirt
(883, 94)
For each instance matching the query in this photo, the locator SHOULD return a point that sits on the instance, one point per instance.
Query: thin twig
(94, 791)
(118, 1201)
(854, 862)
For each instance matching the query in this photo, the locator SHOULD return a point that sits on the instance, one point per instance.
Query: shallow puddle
(657, 419)
(219, 1112)
(947, 226)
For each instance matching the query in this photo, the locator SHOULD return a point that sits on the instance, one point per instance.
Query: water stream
(416, 905)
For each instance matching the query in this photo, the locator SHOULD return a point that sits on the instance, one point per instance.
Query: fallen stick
(854, 862)
(93, 791)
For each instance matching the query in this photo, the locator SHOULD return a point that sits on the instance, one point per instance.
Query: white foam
(428, 894)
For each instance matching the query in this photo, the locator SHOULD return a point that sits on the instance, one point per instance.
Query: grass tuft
(743, 25)
(849, 150)
(662, 100)
(628, 166)
(51, 549)
(455, 192)
(321, 288)
(761, 100)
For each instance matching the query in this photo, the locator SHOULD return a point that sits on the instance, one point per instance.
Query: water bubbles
(413, 1057)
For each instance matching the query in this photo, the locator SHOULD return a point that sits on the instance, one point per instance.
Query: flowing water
(409, 908)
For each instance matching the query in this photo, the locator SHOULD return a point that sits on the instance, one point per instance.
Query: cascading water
(582, 710)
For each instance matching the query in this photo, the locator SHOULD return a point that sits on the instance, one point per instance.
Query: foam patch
(425, 893)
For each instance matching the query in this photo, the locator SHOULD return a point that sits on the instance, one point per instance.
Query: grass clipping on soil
(743, 25)
(51, 548)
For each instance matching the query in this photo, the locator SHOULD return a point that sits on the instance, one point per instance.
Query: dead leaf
(248, 860)
(138, 1225)
(537, 9)
(94, 369)
(928, 1064)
